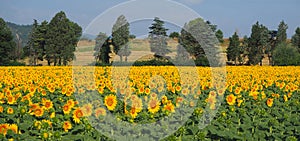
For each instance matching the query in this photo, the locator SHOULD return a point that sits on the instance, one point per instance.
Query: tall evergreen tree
(35, 47)
(120, 37)
(7, 44)
(296, 38)
(219, 35)
(158, 38)
(233, 50)
(200, 42)
(62, 37)
(258, 42)
(102, 48)
(281, 34)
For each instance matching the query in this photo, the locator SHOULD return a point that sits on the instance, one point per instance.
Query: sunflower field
(68, 103)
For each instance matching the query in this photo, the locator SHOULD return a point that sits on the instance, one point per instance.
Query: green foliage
(120, 37)
(219, 35)
(174, 35)
(200, 42)
(7, 44)
(258, 42)
(233, 50)
(62, 38)
(35, 47)
(286, 55)
(281, 34)
(158, 38)
(102, 49)
(296, 38)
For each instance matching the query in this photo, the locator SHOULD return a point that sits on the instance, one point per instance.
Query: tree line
(54, 41)
(263, 42)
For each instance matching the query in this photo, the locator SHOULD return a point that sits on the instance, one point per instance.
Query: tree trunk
(125, 58)
(121, 58)
(49, 63)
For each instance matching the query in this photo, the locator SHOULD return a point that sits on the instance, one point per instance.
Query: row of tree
(265, 43)
(55, 42)
(158, 40)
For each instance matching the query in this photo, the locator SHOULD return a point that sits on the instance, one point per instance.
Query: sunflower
(38, 112)
(71, 103)
(1, 109)
(147, 91)
(3, 129)
(110, 102)
(11, 99)
(47, 104)
(87, 109)
(169, 107)
(10, 110)
(153, 105)
(231, 99)
(67, 126)
(13, 127)
(100, 112)
(133, 112)
(270, 102)
(67, 108)
(77, 114)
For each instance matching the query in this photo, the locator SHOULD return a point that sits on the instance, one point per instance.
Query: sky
(96, 16)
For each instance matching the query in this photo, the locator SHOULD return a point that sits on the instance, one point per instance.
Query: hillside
(22, 31)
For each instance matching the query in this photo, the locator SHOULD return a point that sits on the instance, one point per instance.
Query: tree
(233, 50)
(120, 37)
(200, 42)
(174, 35)
(102, 48)
(286, 55)
(35, 47)
(158, 38)
(296, 38)
(7, 44)
(219, 35)
(62, 38)
(258, 42)
(281, 34)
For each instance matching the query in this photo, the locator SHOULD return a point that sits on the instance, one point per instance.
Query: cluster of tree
(188, 39)
(119, 40)
(264, 42)
(54, 41)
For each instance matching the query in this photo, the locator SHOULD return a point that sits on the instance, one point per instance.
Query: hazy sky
(229, 15)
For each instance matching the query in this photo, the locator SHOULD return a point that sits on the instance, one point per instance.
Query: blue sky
(229, 15)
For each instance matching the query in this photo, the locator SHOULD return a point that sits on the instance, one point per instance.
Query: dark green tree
(258, 42)
(286, 55)
(281, 33)
(243, 50)
(174, 35)
(233, 50)
(120, 37)
(200, 42)
(7, 44)
(62, 37)
(219, 35)
(35, 47)
(158, 38)
(296, 38)
(102, 49)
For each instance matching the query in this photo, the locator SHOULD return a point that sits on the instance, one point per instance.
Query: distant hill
(88, 37)
(22, 31)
